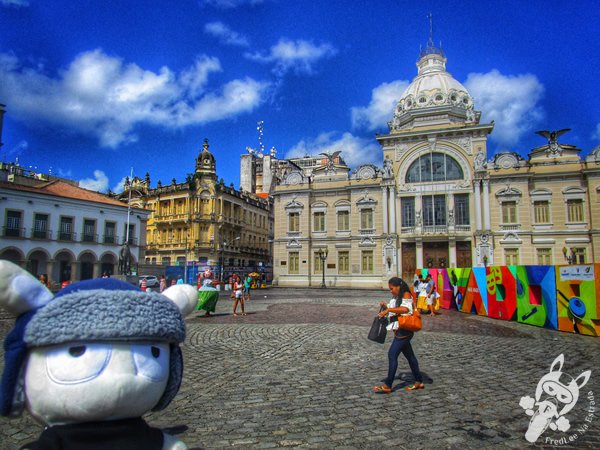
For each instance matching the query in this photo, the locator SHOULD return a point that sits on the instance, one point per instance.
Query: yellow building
(203, 221)
(437, 200)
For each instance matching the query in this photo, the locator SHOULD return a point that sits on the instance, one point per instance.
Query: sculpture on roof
(388, 169)
(554, 149)
(330, 159)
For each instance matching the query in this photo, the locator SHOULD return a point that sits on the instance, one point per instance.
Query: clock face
(207, 161)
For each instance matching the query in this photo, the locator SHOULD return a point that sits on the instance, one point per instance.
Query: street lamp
(322, 254)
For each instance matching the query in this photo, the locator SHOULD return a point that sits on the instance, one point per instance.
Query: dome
(205, 163)
(433, 87)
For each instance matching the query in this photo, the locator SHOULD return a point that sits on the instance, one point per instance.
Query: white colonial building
(55, 227)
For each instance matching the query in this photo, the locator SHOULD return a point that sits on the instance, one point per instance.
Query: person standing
(431, 295)
(179, 280)
(44, 280)
(238, 288)
(401, 304)
(162, 285)
(247, 286)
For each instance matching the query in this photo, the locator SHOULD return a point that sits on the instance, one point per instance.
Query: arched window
(434, 167)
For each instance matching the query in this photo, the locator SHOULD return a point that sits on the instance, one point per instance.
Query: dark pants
(402, 346)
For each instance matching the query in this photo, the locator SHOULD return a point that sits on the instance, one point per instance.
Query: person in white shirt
(400, 304)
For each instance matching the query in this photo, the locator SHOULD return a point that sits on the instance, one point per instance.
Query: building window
(130, 237)
(367, 261)
(294, 263)
(294, 222)
(541, 211)
(461, 209)
(343, 221)
(109, 233)
(544, 256)
(434, 167)
(408, 211)
(366, 219)
(318, 265)
(344, 262)
(579, 255)
(509, 212)
(40, 226)
(319, 221)
(66, 229)
(434, 210)
(575, 210)
(13, 223)
(89, 230)
(511, 256)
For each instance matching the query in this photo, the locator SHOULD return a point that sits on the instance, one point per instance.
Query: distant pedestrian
(430, 290)
(162, 285)
(238, 291)
(44, 280)
(401, 304)
(247, 286)
(179, 280)
(144, 285)
(105, 275)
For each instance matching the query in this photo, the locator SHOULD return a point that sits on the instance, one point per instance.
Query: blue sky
(93, 88)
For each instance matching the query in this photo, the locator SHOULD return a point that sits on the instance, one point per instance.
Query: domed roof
(432, 87)
(205, 163)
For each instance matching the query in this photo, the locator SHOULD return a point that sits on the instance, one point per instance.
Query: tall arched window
(434, 167)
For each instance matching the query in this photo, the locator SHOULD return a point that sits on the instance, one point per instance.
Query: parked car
(151, 281)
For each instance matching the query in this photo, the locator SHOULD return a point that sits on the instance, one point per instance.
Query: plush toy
(90, 361)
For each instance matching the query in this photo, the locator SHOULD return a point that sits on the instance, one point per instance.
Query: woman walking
(401, 304)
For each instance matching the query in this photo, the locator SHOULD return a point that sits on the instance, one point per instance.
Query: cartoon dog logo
(556, 394)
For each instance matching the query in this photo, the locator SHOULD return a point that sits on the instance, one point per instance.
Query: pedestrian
(238, 288)
(162, 284)
(208, 296)
(430, 291)
(179, 280)
(247, 286)
(400, 304)
(44, 280)
(144, 285)
(105, 275)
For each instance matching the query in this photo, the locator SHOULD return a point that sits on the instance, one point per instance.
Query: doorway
(435, 255)
(409, 261)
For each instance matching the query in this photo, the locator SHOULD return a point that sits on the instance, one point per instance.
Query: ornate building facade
(203, 222)
(437, 200)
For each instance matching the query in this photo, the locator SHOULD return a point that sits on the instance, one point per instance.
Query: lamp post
(322, 254)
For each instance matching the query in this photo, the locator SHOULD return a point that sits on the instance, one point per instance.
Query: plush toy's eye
(71, 364)
(77, 351)
(151, 360)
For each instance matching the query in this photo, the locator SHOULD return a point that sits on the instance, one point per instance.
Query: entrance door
(463, 254)
(435, 254)
(409, 261)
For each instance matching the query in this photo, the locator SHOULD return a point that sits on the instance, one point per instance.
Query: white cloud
(120, 186)
(355, 150)
(17, 150)
(381, 107)
(299, 56)
(511, 101)
(225, 34)
(102, 96)
(596, 133)
(99, 183)
(15, 3)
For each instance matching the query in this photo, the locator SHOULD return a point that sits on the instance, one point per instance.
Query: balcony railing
(41, 234)
(110, 239)
(510, 226)
(435, 229)
(464, 227)
(66, 236)
(89, 237)
(13, 232)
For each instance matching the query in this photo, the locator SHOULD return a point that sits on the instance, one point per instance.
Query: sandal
(415, 386)
(383, 389)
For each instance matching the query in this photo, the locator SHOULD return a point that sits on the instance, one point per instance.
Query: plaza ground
(297, 371)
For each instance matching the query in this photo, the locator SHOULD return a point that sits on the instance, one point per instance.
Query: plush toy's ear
(184, 296)
(20, 291)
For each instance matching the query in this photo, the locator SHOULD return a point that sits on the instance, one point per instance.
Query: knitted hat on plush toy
(103, 347)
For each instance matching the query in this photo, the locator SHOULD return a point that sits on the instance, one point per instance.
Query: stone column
(384, 202)
(476, 185)
(486, 205)
(393, 209)
(452, 251)
(97, 273)
(419, 251)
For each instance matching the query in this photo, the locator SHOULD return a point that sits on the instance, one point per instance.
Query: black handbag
(378, 330)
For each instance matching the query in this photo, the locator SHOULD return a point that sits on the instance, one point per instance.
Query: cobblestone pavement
(297, 371)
